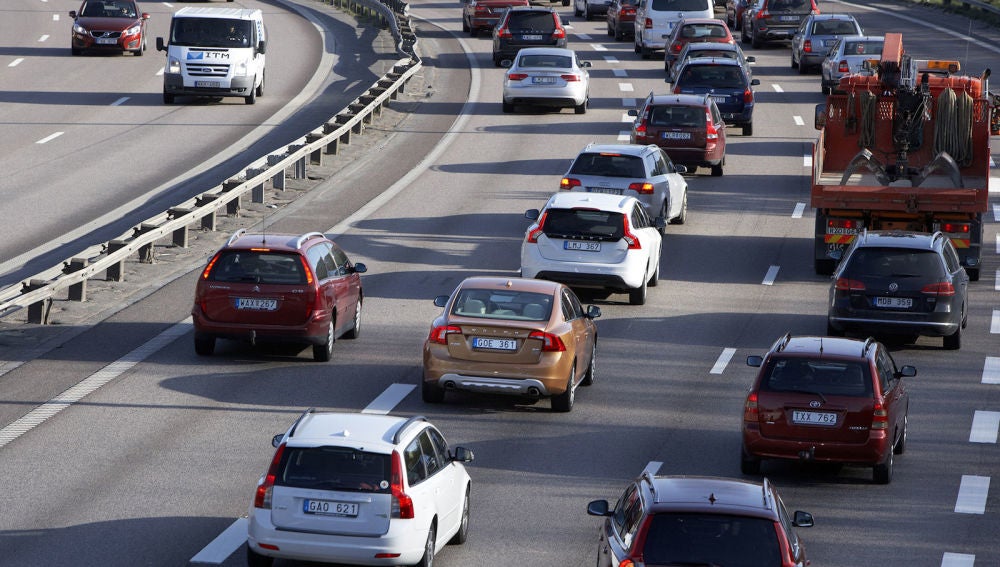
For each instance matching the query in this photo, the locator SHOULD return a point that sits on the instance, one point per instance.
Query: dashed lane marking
(43, 38)
(628, 102)
(624, 135)
(985, 425)
(958, 560)
(995, 322)
(996, 281)
(991, 370)
(120, 101)
(799, 209)
(611, 59)
(996, 212)
(389, 399)
(598, 47)
(627, 118)
(723, 361)
(777, 88)
(799, 121)
(771, 274)
(807, 160)
(224, 545)
(584, 36)
(619, 72)
(49, 138)
(625, 87)
(16, 62)
(972, 493)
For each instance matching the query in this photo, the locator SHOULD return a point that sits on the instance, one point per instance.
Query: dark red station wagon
(826, 399)
(278, 288)
(689, 127)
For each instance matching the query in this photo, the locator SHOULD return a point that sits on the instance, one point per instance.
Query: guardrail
(969, 4)
(71, 275)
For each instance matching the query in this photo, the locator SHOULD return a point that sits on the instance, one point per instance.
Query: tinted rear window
(797, 6)
(569, 223)
(698, 31)
(830, 378)
(721, 76)
(531, 21)
(894, 262)
(703, 539)
(863, 48)
(681, 5)
(506, 304)
(677, 116)
(834, 27)
(334, 468)
(258, 267)
(546, 61)
(608, 165)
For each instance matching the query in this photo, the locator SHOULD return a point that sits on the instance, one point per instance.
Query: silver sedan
(847, 56)
(547, 76)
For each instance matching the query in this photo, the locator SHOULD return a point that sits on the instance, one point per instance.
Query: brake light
(842, 223)
(787, 555)
(843, 67)
(568, 183)
(440, 333)
(640, 129)
(943, 289)
(402, 505)
(880, 417)
(504, 33)
(648, 24)
(711, 132)
(762, 14)
(627, 562)
(482, 10)
(208, 268)
(533, 233)
(748, 96)
(570, 78)
(750, 410)
(550, 342)
(642, 188)
(627, 12)
(516, 76)
(807, 46)
(845, 284)
(307, 269)
(633, 242)
(559, 32)
(263, 497)
(676, 47)
(949, 227)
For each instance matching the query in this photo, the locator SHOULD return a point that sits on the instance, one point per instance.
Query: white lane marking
(652, 467)
(985, 426)
(584, 36)
(995, 322)
(972, 493)
(43, 38)
(722, 361)
(628, 102)
(992, 163)
(772, 273)
(994, 186)
(120, 101)
(389, 399)
(224, 545)
(998, 243)
(958, 560)
(611, 59)
(799, 209)
(625, 87)
(778, 88)
(624, 135)
(598, 47)
(160, 72)
(996, 281)
(619, 72)
(799, 121)
(627, 118)
(996, 212)
(15, 62)
(49, 138)
(90, 384)
(991, 370)
(807, 160)
(55, 17)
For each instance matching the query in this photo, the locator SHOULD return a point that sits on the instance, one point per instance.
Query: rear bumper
(312, 332)
(870, 452)
(928, 327)
(549, 376)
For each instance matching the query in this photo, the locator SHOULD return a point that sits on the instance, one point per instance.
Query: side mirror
(754, 82)
(819, 118)
(593, 311)
(598, 508)
(262, 47)
(463, 455)
(145, 16)
(755, 361)
(802, 519)
(360, 268)
(750, 59)
(441, 300)
(160, 45)
(506, 63)
(72, 14)
(908, 371)
(531, 214)
(680, 169)
(276, 440)
(633, 112)
(585, 64)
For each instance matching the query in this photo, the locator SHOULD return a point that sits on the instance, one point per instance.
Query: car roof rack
(300, 240)
(406, 424)
(765, 489)
(783, 342)
(235, 236)
(869, 342)
(295, 425)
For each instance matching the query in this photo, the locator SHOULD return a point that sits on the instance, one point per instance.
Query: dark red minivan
(278, 288)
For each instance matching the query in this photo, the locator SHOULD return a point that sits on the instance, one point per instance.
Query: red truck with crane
(904, 145)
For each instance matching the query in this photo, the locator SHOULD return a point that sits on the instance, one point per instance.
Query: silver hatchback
(847, 56)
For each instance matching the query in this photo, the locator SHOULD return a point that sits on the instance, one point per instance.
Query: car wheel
(645, 53)
(576, 11)
(563, 402)
(75, 51)
(824, 267)
(168, 98)
(565, 2)
(462, 534)
(748, 129)
(204, 346)
(802, 67)
(665, 213)
(831, 331)
(465, 25)
(954, 340)
(655, 278)
(619, 34)
(636, 46)
(748, 464)
(882, 472)
(794, 64)
(717, 170)
(611, 32)
(666, 67)
(255, 559)
(260, 89)
(323, 352)
(355, 331)
(507, 107)
(431, 393)
(637, 296)
(588, 378)
(824, 88)
(900, 446)
(581, 108)
(252, 99)
(682, 217)
(586, 12)
(745, 35)
(754, 40)
(428, 559)
(973, 274)
(141, 50)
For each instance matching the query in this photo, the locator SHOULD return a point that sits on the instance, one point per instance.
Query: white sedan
(547, 76)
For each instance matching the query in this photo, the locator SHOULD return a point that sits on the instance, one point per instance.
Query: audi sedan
(108, 25)
(547, 76)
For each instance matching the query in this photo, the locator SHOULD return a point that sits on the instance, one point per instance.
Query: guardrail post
(179, 236)
(116, 271)
(257, 192)
(146, 253)
(346, 136)
(278, 179)
(358, 108)
(208, 221)
(333, 145)
(233, 205)
(316, 155)
(77, 291)
(38, 312)
(299, 167)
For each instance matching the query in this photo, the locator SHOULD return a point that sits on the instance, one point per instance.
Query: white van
(214, 52)
(655, 20)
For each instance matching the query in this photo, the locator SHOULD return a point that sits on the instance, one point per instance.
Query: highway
(161, 455)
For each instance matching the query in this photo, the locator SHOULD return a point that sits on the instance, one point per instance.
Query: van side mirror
(531, 214)
(754, 82)
(262, 47)
(819, 119)
(160, 45)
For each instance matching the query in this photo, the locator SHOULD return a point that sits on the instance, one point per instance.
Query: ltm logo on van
(200, 55)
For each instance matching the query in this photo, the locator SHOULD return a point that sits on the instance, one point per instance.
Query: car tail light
(550, 342)
(402, 505)
(559, 32)
(211, 264)
(750, 411)
(568, 183)
(845, 284)
(648, 24)
(440, 333)
(533, 234)
(807, 46)
(627, 12)
(633, 242)
(640, 129)
(843, 67)
(628, 562)
(950, 227)
(482, 10)
(676, 47)
(711, 132)
(263, 497)
(880, 417)
(787, 554)
(308, 271)
(517, 76)
(571, 78)
(943, 289)
(762, 14)
(842, 223)
(677, 89)
(747, 96)
(504, 32)
(642, 188)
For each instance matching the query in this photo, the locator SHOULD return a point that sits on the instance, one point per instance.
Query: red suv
(688, 127)
(826, 399)
(278, 288)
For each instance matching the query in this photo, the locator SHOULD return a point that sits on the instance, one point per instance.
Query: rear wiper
(815, 393)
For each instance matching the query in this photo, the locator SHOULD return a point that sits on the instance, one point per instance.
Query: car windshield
(210, 32)
(108, 9)
(797, 6)
(258, 267)
(710, 539)
(586, 223)
(506, 304)
(893, 263)
(723, 53)
(334, 468)
(822, 377)
(718, 76)
(833, 27)
(531, 21)
(698, 31)
(680, 5)
(863, 48)
(677, 116)
(545, 61)
(608, 165)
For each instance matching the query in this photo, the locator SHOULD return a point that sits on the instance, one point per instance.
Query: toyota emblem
(894, 287)
(815, 404)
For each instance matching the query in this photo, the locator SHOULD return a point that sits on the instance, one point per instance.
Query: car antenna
(263, 225)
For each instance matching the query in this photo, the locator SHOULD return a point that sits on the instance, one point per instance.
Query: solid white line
(224, 545)
(772, 273)
(798, 121)
(653, 467)
(160, 72)
(49, 138)
(120, 101)
(998, 243)
(991, 370)
(15, 62)
(958, 560)
(389, 399)
(628, 102)
(995, 322)
(799, 209)
(598, 47)
(807, 160)
(627, 118)
(996, 281)
(972, 494)
(778, 88)
(985, 426)
(722, 361)
(624, 135)
(584, 36)
(43, 38)
(90, 384)
(625, 87)
(619, 72)
(611, 59)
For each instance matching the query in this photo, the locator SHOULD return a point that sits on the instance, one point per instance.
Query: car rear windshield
(680, 5)
(608, 165)
(506, 304)
(894, 263)
(677, 116)
(834, 27)
(797, 6)
(711, 539)
(720, 76)
(546, 61)
(253, 266)
(696, 31)
(334, 468)
(863, 48)
(584, 223)
(826, 377)
(531, 21)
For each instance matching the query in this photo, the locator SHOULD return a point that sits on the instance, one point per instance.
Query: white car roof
(600, 201)
(625, 149)
(226, 13)
(360, 431)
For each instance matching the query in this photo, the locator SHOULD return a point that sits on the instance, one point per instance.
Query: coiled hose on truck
(953, 126)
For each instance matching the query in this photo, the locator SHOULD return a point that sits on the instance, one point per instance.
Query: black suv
(522, 26)
(726, 81)
(901, 283)
(697, 520)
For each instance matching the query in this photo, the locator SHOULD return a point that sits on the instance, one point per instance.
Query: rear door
(583, 236)
(677, 126)
(532, 28)
(257, 288)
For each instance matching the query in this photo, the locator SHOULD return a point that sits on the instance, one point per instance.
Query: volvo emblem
(815, 404)
(894, 287)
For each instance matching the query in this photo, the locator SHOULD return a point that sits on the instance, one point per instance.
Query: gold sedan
(513, 336)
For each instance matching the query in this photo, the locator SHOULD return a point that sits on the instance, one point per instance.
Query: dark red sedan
(108, 25)
(621, 17)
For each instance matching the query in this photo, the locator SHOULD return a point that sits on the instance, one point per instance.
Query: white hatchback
(593, 240)
(359, 489)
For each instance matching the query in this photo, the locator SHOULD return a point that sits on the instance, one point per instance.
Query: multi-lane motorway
(156, 464)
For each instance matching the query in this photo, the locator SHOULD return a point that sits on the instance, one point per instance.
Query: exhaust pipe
(449, 385)
(808, 454)
(533, 392)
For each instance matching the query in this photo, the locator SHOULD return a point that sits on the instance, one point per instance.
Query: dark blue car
(726, 81)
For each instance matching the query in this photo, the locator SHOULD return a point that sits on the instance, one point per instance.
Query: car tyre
(882, 472)
(260, 88)
(682, 217)
(645, 53)
(204, 346)
(744, 36)
(611, 32)
(355, 331)
(749, 465)
(619, 34)
(794, 64)
(576, 11)
(462, 535)
(565, 2)
(255, 559)
(748, 129)
(323, 352)
(465, 26)
(75, 51)
(431, 393)
(826, 90)
(824, 267)
(900, 447)
(588, 378)
(580, 108)
(563, 402)
(636, 47)
(754, 40)
(717, 170)
(428, 559)
(168, 98)
(507, 107)
(252, 99)
(637, 296)
(954, 340)
(973, 274)
(803, 69)
(654, 279)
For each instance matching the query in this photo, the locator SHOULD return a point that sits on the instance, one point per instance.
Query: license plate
(894, 302)
(254, 304)
(789, 18)
(835, 230)
(531, 37)
(586, 246)
(676, 135)
(210, 84)
(814, 417)
(543, 80)
(719, 98)
(330, 508)
(606, 191)
(494, 344)
(106, 41)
